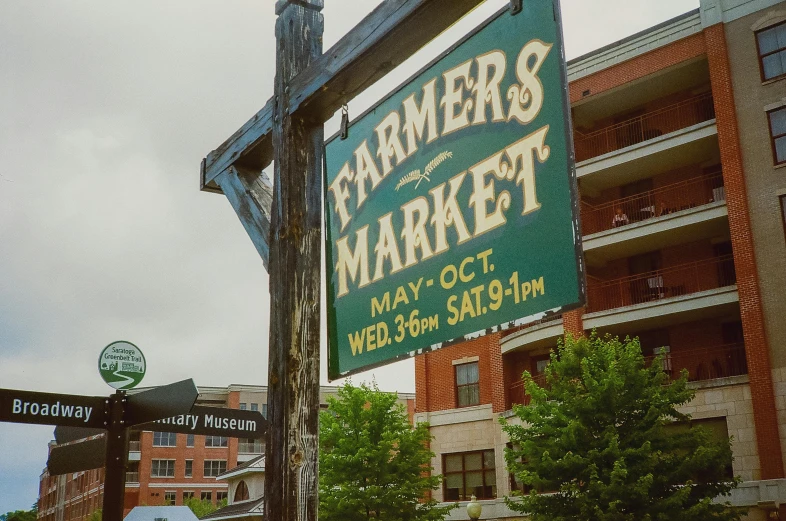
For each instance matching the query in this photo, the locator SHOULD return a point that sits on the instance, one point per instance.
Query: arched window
(241, 492)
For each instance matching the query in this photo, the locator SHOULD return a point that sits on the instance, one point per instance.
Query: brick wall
(435, 379)
(757, 350)
(638, 67)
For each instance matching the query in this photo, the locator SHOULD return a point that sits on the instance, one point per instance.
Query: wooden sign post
(284, 221)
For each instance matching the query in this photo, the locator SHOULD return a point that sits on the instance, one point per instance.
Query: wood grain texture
(295, 270)
(251, 196)
(381, 41)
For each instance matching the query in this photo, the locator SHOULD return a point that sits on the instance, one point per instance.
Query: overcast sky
(106, 110)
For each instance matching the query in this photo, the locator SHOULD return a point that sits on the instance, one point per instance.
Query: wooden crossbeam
(251, 196)
(381, 41)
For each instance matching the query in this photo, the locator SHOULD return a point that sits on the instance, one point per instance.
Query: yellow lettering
(356, 341)
(389, 142)
(454, 318)
(525, 150)
(341, 194)
(483, 193)
(415, 119)
(446, 213)
(454, 96)
(366, 169)
(414, 232)
(487, 90)
(463, 276)
(349, 263)
(387, 246)
(526, 97)
(377, 307)
(401, 297)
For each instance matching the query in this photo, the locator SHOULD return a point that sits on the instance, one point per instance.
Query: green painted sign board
(451, 206)
(122, 365)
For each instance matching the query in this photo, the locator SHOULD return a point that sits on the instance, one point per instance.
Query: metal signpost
(504, 180)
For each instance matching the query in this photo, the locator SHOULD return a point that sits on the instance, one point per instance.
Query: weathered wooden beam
(251, 195)
(295, 280)
(251, 145)
(390, 34)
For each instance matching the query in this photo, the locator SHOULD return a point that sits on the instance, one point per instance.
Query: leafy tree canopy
(20, 515)
(372, 463)
(202, 507)
(605, 434)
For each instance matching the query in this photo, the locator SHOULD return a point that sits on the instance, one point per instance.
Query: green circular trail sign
(122, 365)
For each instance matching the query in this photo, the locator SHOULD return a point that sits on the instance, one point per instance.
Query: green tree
(20, 515)
(97, 515)
(601, 433)
(372, 463)
(203, 507)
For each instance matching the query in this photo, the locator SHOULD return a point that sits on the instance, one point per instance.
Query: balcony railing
(544, 320)
(518, 395)
(706, 363)
(654, 203)
(685, 279)
(132, 477)
(645, 127)
(703, 363)
(250, 448)
(134, 446)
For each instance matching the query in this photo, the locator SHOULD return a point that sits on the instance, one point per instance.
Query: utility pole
(295, 268)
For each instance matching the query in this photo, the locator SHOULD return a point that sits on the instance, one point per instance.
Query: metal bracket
(344, 122)
(315, 5)
(515, 6)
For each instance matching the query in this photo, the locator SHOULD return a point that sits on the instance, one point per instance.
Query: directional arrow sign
(161, 402)
(69, 434)
(52, 409)
(85, 455)
(214, 421)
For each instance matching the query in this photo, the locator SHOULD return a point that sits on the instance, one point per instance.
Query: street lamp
(474, 508)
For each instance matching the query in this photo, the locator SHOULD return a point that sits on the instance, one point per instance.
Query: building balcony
(256, 447)
(666, 200)
(693, 277)
(134, 446)
(535, 334)
(703, 364)
(132, 477)
(645, 127)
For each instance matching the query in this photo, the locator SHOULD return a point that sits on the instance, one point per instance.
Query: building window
(206, 495)
(264, 410)
(216, 441)
(467, 387)
(170, 497)
(188, 494)
(777, 120)
(241, 492)
(772, 51)
(469, 473)
(189, 440)
(163, 468)
(214, 467)
(164, 439)
(254, 406)
(189, 468)
(221, 495)
(243, 406)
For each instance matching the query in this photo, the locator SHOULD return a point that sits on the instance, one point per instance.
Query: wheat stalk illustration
(416, 175)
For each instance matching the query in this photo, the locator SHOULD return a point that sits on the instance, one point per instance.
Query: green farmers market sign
(122, 365)
(451, 206)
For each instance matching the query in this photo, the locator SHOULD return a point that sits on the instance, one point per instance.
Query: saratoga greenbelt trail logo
(451, 206)
(122, 365)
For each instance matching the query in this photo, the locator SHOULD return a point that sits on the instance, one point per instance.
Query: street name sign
(214, 421)
(161, 402)
(52, 409)
(451, 206)
(122, 365)
(85, 455)
(69, 434)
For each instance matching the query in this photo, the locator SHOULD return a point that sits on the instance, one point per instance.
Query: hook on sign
(515, 6)
(344, 121)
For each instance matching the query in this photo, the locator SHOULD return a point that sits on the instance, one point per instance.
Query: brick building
(167, 467)
(680, 139)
